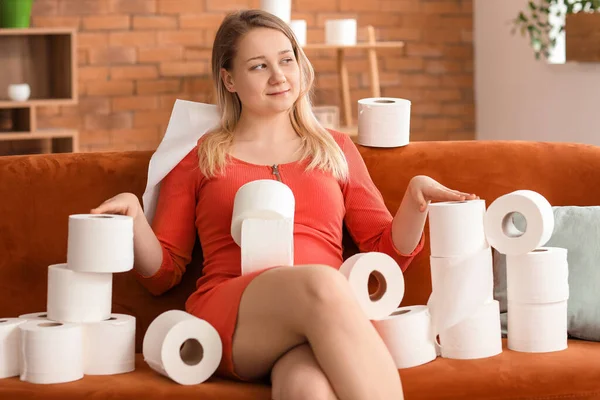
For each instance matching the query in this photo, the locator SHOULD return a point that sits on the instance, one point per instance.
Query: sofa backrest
(39, 192)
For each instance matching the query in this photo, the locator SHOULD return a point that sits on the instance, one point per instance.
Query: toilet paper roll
(340, 32)
(407, 335)
(478, 336)
(298, 26)
(261, 199)
(456, 228)
(52, 352)
(182, 347)
(78, 296)
(537, 328)
(266, 243)
(383, 122)
(501, 231)
(460, 287)
(540, 276)
(279, 8)
(109, 346)
(42, 315)
(387, 298)
(100, 243)
(10, 347)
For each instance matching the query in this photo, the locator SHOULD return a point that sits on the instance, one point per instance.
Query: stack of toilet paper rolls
(466, 318)
(77, 335)
(537, 277)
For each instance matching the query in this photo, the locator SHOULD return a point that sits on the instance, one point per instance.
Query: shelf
(40, 134)
(36, 31)
(364, 46)
(37, 102)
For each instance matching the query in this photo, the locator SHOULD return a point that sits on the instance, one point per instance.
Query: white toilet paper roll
(456, 228)
(52, 352)
(460, 287)
(298, 26)
(408, 337)
(478, 336)
(78, 296)
(501, 231)
(182, 347)
(42, 315)
(383, 122)
(540, 276)
(109, 346)
(261, 199)
(279, 8)
(10, 347)
(340, 32)
(537, 328)
(266, 243)
(357, 270)
(100, 243)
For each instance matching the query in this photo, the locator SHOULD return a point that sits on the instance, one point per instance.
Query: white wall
(520, 98)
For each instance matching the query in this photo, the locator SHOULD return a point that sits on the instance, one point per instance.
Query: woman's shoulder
(340, 138)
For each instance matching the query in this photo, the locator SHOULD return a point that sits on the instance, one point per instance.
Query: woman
(301, 325)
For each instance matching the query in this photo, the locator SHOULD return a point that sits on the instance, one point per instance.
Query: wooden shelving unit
(44, 58)
(371, 46)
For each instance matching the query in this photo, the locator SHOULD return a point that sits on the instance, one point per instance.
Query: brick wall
(137, 56)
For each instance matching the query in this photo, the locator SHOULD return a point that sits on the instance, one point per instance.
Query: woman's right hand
(122, 204)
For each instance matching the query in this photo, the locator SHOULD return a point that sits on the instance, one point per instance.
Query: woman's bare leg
(289, 306)
(298, 376)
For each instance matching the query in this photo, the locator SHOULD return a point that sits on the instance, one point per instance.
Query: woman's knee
(323, 286)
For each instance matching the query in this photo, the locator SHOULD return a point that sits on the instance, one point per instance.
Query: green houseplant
(15, 13)
(536, 21)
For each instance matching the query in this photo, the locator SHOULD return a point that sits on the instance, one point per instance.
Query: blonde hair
(317, 143)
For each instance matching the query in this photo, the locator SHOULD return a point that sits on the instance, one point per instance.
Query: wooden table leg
(374, 68)
(344, 87)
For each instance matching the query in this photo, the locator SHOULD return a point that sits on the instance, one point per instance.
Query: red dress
(191, 204)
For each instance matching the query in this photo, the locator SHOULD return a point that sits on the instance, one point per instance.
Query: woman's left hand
(424, 190)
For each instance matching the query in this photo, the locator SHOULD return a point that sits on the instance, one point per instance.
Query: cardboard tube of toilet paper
(357, 270)
(537, 328)
(52, 352)
(383, 122)
(109, 346)
(501, 231)
(340, 32)
(478, 336)
(266, 243)
(78, 296)
(182, 347)
(261, 199)
(407, 335)
(100, 243)
(456, 228)
(279, 8)
(42, 315)
(540, 276)
(461, 285)
(10, 347)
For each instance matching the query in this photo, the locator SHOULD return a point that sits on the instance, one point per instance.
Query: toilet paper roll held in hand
(78, 296)
(52, 352)
(182, 347)
(540, 276)
(383, 122)
(500, 229)
(261, 199)
(10, 347)
(456, 228)
(100, 243)
(388, 274)
(109, 345)
(407, 335)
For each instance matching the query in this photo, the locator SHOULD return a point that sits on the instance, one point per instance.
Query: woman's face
(265, 73)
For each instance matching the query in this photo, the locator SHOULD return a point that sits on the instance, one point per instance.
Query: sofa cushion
(569, 374)
(576, 229)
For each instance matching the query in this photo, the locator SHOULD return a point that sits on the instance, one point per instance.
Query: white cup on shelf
(19, 91)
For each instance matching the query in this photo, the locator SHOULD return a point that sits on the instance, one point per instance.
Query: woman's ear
(227, 80)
